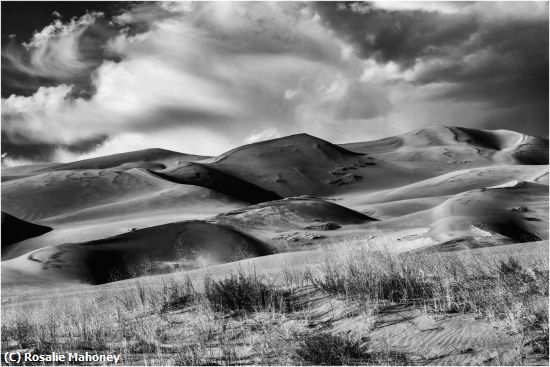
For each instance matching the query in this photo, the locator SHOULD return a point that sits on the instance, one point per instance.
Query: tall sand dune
(304, 165)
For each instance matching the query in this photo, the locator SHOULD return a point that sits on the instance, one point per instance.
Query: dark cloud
(399, 36)
(511, 65)
(520, 118)
(501, 61)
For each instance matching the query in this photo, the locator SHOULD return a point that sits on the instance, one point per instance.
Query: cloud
(10, 162)
(444, 7)
(61, 52)
(198, 140)
(206, 77)
(223, 67)
(486, 53)
(267, 134)
(54, 51)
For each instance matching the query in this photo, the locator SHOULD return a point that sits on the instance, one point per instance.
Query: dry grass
(502, 290)
(440, 282)
(320, 348)
(243, 292)
(248, 318)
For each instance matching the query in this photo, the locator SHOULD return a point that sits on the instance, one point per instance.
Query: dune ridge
(427, 187)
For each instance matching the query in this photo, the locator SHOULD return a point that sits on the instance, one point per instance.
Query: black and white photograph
(274, 183)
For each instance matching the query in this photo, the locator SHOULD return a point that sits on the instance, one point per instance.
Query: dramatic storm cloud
(205, 77)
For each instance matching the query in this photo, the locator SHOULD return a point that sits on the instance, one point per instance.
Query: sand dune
(297, 212)
(534, 150)
(449, 184)
(67, 196)
(184, 245)
(147, 158)
(93, 204)
(304, 165)
(221, 239)
(458, 146)
(398, 208)
(17, 172)
(519, 213)
(440, 184)
(296, 224)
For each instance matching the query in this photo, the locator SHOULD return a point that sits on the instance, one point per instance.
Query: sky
(86, 79)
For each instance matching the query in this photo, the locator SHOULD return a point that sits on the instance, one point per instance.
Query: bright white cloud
(270, 133)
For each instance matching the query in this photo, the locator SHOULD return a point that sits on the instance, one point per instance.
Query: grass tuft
(325, 349)
(242, 293)
(178, 295)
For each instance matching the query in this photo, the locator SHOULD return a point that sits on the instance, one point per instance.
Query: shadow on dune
(511, 228)
(16, 230)
(203, 175)
(159, 249)
(534, 151)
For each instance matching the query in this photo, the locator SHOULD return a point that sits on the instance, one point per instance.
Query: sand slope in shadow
(15, 230)
(184, 245)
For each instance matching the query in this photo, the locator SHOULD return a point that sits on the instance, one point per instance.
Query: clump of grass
(21, 331)
(377, 277)
(241, 293)
(326, 349)
(525, 280)
(178, 295)
(191, 355)
(536, 326)
(143, 346)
